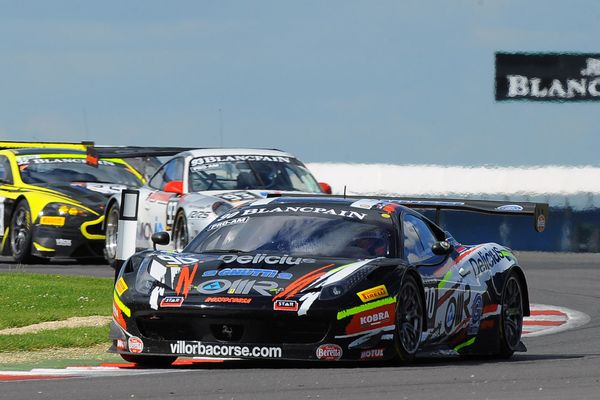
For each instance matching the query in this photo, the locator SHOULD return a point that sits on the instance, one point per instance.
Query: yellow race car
(52, 199)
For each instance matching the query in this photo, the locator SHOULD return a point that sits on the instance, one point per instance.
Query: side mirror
(161, 238)
(442, 248)
(325, 187)
(174, 187)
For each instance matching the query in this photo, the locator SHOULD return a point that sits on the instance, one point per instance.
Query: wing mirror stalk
(442, 248)
(160, 238)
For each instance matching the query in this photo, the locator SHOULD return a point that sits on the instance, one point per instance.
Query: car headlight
(65, 210)
(55, 214)
(144, 281)
(339, 288)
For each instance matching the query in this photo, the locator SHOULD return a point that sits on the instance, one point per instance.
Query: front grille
(95, 228)
(278, 330)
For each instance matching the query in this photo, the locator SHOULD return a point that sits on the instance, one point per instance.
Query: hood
(247, 277)
(238, 197)
(90, 195)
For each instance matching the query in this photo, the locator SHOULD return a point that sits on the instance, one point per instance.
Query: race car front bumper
(238, 337)
(76, 239)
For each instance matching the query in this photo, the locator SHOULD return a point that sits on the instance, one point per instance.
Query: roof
(237, 151)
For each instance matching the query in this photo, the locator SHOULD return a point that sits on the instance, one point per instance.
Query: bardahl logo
(373, 293)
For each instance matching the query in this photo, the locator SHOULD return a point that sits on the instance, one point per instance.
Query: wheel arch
(112, 201)
(411, 271)
(525, 291)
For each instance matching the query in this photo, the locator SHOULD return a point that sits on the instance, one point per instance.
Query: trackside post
(128, 215)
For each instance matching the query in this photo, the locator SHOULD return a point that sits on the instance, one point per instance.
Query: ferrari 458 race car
(194, 187)
(52, 199)
(328, 278)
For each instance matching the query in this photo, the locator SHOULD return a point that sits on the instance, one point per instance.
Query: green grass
(32, 298)
(64, 337)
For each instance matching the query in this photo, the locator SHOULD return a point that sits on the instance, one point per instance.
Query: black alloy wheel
(409, 319)
(21, 231)
(511, 317)
(180, 232)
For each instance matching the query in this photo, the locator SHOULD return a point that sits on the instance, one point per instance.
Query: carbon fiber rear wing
(101, 151)
(9, 144)
(137, 151)
(539, 211)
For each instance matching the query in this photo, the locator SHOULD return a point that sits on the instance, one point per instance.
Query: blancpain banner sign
(547, 77)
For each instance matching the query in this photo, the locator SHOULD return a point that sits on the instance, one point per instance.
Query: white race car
(194, 187)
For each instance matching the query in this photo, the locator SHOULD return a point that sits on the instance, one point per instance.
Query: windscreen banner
(548, 76)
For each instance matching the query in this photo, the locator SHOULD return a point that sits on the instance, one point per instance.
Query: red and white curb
(105, 369)
(545, 320)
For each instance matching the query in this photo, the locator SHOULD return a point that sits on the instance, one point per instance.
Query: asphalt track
(563, 365)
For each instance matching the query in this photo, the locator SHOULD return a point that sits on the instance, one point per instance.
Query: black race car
(324, 278)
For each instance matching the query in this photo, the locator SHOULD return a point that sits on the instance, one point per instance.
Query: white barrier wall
(575, 187)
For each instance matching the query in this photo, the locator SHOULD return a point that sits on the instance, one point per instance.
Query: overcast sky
(359, 81)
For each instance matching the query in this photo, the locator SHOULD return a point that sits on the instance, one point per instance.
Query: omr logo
(214, 285)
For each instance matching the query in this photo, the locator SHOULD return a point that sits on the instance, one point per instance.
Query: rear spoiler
(99, 150)
(137, 151)
(7, 144)
(539, 211)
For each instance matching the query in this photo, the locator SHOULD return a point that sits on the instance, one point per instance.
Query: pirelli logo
(374, 293)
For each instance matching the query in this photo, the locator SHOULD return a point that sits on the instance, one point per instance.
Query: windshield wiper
(223, 251)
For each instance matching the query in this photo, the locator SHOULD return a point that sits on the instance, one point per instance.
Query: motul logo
(371, 354)
(329, 352)
(369, 319)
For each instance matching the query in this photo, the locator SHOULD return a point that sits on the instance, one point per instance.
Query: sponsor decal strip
(225, 350)
(368, 332)
(464, 344)
(120, 304)
(365, 307)
(301, 283)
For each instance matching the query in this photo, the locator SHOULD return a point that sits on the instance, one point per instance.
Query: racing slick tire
(149, 361)
(409, 319)
(511, 316)
(112, 230)
(21, 233)
(180, 232)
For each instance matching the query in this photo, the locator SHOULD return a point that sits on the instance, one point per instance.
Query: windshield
(66, 170)
(296, 235)
(250, 172)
